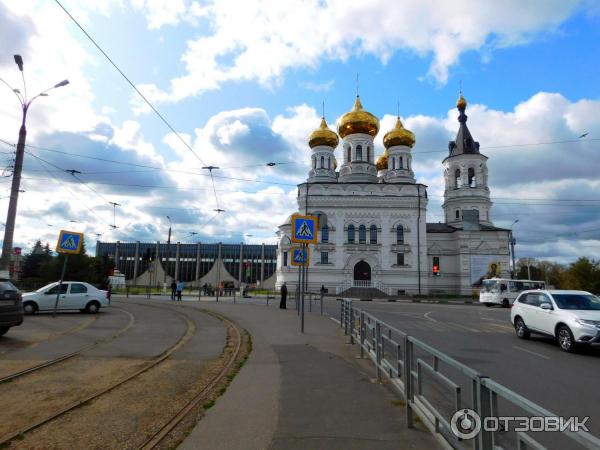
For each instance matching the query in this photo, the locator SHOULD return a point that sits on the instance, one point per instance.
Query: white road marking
(533, 353)
(335, 320)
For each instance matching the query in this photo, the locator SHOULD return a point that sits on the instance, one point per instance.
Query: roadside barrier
(460, 406)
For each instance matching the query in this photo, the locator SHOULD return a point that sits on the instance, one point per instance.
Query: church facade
(373, 230)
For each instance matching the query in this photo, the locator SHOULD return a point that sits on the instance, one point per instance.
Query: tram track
(68, 356)
(21, 431)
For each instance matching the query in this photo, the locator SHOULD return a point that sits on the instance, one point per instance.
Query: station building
(373, 229)
(155, 263)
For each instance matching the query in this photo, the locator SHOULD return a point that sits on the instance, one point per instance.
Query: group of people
(176, 290)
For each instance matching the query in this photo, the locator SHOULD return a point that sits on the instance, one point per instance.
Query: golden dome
(358, 121)
(382, 161)
(461, 103)
(323, 136)
(399, 136)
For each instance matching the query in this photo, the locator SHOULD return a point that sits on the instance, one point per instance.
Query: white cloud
(261, 39)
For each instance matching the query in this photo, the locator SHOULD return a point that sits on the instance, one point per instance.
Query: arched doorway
(362, 274)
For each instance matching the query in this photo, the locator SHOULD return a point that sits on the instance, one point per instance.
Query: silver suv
(572, 317)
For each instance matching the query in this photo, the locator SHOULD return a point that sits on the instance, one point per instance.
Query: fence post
(322, 295)
(351, 324)
(484, 409)
(378, 349)
(408, 388)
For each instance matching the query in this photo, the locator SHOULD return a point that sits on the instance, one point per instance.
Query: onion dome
(461, 103)
(358, 121)
(382, 161)
(323, 136)
(399, 136)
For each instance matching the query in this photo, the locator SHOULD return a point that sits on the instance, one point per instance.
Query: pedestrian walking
(173, 289)
(282, 304)
(179, 290)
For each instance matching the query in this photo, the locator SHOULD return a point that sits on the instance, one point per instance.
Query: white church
(373, 229)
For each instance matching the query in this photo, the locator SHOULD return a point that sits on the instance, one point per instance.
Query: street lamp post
(513, 241)
(16, 181)
(168, 254)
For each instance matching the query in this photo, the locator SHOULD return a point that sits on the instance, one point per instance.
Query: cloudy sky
(243, 82)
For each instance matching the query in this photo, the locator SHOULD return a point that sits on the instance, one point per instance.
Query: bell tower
(466, 195)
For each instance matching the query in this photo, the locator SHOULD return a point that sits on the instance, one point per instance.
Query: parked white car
(571, 317)
(74, 295)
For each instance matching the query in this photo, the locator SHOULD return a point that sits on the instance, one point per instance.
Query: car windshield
(48, 286)
(489, 286)
(583, 302)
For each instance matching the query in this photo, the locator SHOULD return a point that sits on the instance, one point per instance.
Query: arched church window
(373, 234)
(401, 166)
(399, 235)
(457, 214)
(368, 153)
(394, 163)
(325, 234)
(457, 179)
(348, 154)
(472, 181)
(359, 152)
(314, 163)
(322, 162)
(329, 163)
(351, 234)
(362, 234)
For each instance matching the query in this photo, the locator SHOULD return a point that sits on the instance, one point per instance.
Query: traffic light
(436, 266)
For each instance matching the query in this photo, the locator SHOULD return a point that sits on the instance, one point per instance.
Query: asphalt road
(483, 339)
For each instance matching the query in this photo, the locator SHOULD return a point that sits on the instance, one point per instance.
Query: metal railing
(428, 379)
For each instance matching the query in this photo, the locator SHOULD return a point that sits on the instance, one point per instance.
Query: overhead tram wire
(142, 96)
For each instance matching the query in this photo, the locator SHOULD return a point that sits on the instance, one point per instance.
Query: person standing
(173, 289)
(179, 290)
(282, 304)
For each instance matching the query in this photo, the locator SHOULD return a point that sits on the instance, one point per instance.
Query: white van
(502, 291)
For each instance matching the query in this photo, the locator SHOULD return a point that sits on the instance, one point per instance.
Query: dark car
(11, 306)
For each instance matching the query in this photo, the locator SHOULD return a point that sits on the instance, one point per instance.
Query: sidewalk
(301, 391)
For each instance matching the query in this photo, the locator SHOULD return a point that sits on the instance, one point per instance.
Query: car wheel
(29, 308)
(3, 330)
(521, 329)
(92, 308)
(487, 304)
(505, 303)
(565, 338)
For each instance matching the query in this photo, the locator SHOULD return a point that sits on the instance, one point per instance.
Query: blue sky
(243, 82)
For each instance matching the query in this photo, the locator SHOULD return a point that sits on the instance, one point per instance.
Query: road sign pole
(62, 278)
(302, 299)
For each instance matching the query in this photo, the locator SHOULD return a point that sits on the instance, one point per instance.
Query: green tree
(583, 274)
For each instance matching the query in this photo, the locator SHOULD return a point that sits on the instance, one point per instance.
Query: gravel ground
(129, 415)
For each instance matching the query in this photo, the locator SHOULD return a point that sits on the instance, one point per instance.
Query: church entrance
(362, 274)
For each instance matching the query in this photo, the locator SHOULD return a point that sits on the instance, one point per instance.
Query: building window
(457, 214)
(399, 235)
(457, 182)
(351, 234)
(472, 181)
(322, 162)
(328, 163)
(324, 258)
(401, 165)
(400, 259)
(394, 163)
(325, 234)
(373, 234)
(368, 153)
(359, 152)
(362, 234)
(348, 154)
(285, 256)
(314, 163)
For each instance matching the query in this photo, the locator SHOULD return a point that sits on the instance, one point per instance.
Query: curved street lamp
(25, 103)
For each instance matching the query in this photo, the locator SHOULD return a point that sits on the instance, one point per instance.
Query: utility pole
(9, 230)
(512, 242)
(168, 256)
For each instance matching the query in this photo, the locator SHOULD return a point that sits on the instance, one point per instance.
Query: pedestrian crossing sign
(304, 229)
(300, 256)
(69, 242)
